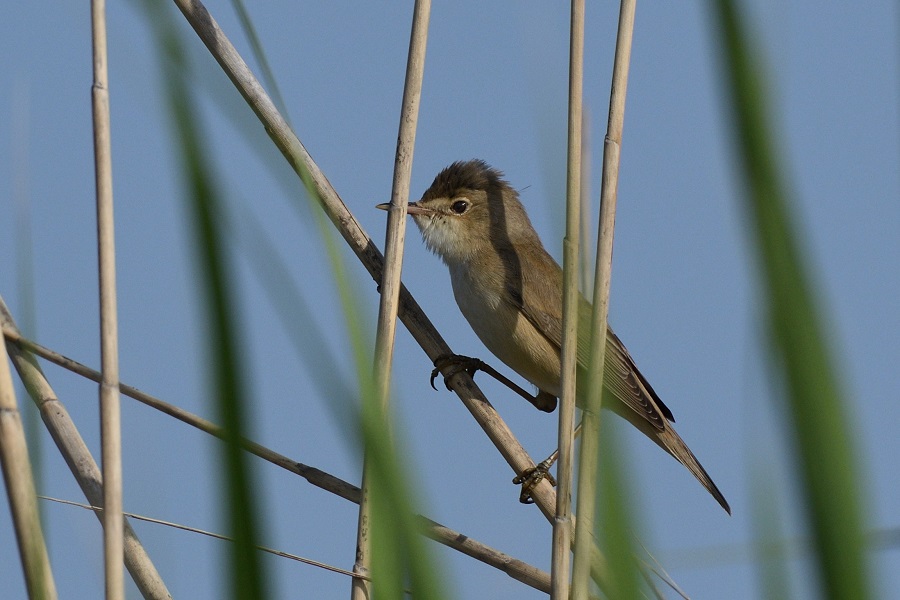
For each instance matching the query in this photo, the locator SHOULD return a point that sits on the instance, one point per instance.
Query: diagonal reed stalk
(17, 476)
(562, 524)
(76, 454)
(110, 410)
(422, 330)
(410, 313)
(210, 534)
(590, 442)
(390, 295)
(513, 567)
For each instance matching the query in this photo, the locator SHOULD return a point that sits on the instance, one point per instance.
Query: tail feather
(669, 440)
(672, 443)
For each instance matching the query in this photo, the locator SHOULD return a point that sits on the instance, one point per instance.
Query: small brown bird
(510, 290)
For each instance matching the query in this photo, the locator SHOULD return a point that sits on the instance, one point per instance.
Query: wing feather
(621, 378)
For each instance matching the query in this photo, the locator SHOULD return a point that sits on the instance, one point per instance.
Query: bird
(509, 289)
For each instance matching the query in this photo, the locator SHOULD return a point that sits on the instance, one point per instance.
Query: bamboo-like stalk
(515, 568)
(390, 282)
(20, 491)
(110, 414)
(78, 457)
(412, 316)
(562, 524)
(585, 242)
(587, 474)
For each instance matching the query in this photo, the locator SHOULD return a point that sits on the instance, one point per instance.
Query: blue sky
(684, 296)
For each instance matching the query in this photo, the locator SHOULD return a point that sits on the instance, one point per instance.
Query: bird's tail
(669, 440)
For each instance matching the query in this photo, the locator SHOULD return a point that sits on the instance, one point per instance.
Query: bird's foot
(455, 363)
(531, 477)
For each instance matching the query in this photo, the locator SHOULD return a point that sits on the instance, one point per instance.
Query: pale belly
(508, 334)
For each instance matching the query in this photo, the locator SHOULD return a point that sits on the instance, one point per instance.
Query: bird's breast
(502, 327)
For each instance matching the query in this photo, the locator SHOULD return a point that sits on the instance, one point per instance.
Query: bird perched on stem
(510, 291)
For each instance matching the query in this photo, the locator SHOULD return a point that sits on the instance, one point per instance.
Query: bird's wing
(621, 376)
(628, 384)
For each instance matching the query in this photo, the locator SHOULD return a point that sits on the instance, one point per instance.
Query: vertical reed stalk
(390, 282)
(562, 523)
(110, 414)
(587, 270)
(588, 464)
(20, 490)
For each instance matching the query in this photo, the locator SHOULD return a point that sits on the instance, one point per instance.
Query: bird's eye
(459, 207)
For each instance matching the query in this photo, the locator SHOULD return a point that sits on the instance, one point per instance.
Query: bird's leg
(451, 364)
(531, 477)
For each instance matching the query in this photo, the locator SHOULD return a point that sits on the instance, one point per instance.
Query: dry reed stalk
(110, 414)
(78, 457)
(410, 313)
(515, 568)
(20, 490)
(211, 534)
(422, 330)
(562, 524)
(531, 576)
(585, 242)
(390, 282)
(590, 441)
(518, 570)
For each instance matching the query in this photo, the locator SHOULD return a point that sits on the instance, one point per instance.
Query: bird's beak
(413, 208)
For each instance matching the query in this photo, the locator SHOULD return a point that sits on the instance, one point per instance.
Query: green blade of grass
(24, 245)
(615, 521)
(826, 459)
(245, 569)
(771, 567)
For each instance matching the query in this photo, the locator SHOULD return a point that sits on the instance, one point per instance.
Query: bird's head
(470, 209)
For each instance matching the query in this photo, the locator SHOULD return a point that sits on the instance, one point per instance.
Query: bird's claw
(434, 374)
(530, 478)
(457, 363)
